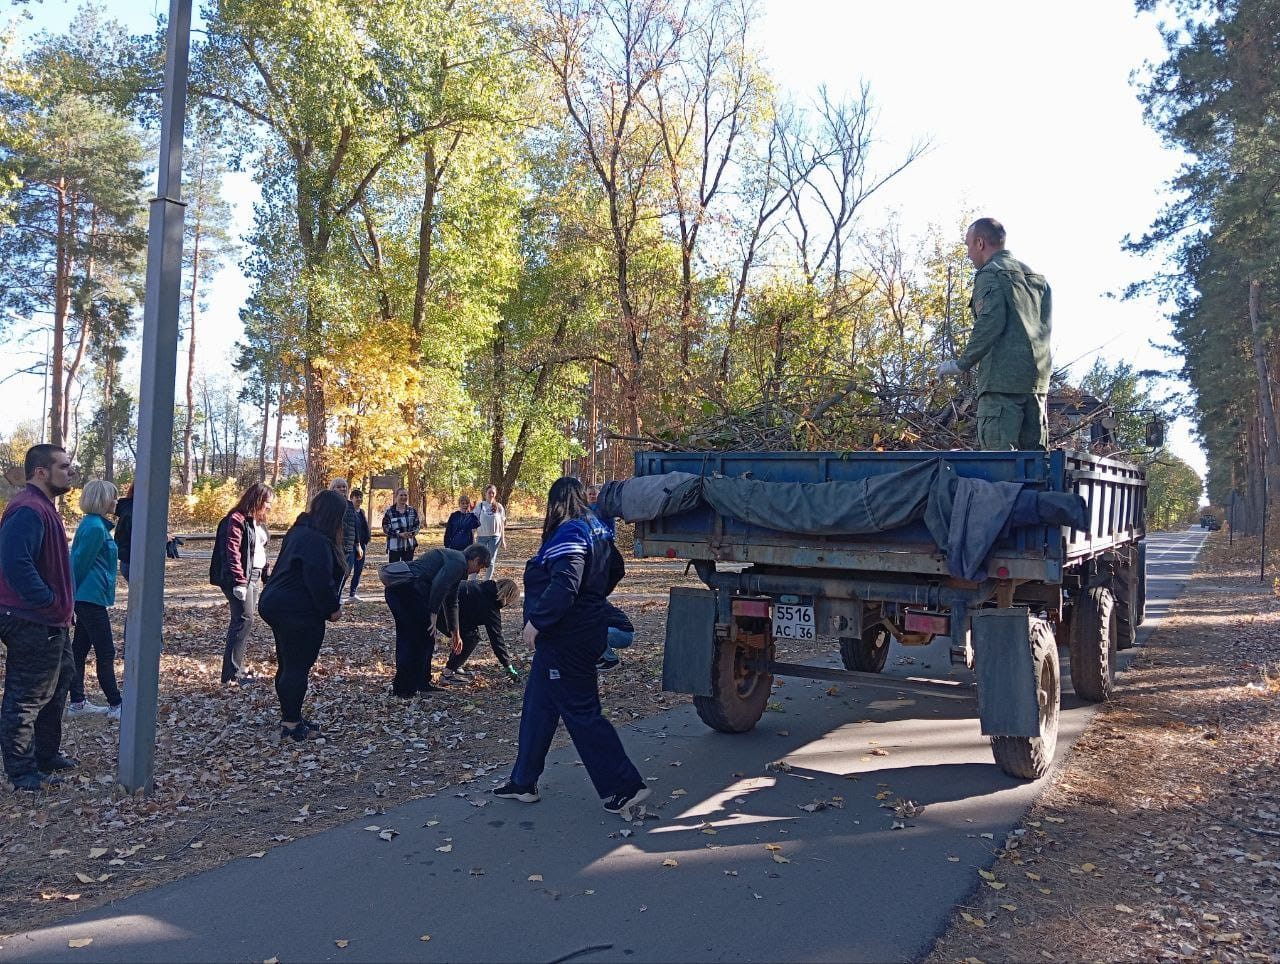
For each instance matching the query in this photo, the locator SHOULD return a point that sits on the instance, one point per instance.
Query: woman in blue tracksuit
(566, 622)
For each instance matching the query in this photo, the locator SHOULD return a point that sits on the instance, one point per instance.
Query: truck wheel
(867, 653)
(738, 694)
(1028, 757)
(1125, 591)
(1093, 645)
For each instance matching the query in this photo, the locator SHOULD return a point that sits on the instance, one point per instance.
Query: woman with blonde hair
(93, 571)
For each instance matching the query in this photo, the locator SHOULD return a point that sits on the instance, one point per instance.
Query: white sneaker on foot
(113, 712)
(84, 708)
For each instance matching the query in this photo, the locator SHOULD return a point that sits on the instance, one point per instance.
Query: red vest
(53, 563)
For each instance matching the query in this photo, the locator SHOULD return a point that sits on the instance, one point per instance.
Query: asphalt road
(699, 883)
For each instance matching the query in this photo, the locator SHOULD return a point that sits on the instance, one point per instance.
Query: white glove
(948, 368)
(240, 592)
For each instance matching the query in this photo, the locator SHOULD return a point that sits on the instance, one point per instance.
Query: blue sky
(1032, 117)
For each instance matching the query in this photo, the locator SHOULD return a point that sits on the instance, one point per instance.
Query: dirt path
(1159, 839)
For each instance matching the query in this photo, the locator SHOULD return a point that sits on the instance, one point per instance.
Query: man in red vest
(36, 603)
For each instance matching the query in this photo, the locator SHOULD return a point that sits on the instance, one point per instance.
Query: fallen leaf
(197, 845)
(96, 852)
(883, 795)
(1213, 918)
(373, 828)
(772, 846)
(80, 942)
(731, 873)
(779, 859)
(476, 872)
(1231, 938)
(447, 848)
(536, 878)
(431, 823)
(84, 878)
(1088, 868)
(1055, 819)
(954, 860)
(342, 943)
(996, 885)
(987, 836)
(833, 691)
(879, 752)
(257, 853)
(710, 831)
(670, 862)
(678, 793)
(986, 875)
(388, 834)
(425, 937)
(60, 852)
(1032, 876)
(970, 919)
(1009, 907)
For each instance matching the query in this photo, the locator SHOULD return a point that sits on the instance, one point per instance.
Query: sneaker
(56, 763)
(455, 676)
(84, 708)
(463, 672)
(113, 712)
(31, 782)
(513, 791)
(433, 688)
(621, 803)
(607, 662)
(355, 598)
(511, 673)
(298, 733)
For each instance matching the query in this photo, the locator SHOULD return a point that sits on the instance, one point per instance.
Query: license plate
(793, 622)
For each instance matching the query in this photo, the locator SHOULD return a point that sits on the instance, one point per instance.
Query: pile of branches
(937, 418)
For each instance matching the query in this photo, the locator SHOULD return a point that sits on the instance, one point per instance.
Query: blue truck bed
(1114, 491)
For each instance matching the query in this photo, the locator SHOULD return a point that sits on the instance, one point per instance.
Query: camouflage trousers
(38, 670)
(1012, 422)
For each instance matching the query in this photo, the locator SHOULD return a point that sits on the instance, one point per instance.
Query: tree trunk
(188, 430)
(266, 428)
(275, 456)
(109, 427)
(317, 431)
(498, 417)
(61, 305)
(1271, 443)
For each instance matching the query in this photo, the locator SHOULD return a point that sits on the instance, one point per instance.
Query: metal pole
(145, 623)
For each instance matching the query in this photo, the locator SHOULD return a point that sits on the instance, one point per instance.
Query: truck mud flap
(1007, 704)
(688, 658)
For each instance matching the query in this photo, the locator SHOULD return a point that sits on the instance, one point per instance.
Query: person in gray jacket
(414, 605)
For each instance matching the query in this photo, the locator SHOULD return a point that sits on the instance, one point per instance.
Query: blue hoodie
(93, 561)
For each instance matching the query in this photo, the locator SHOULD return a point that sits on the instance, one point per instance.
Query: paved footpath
(701, 882)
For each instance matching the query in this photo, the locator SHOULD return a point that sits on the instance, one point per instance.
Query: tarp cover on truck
(965, 516)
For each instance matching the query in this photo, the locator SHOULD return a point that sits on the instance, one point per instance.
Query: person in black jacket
(460, 530)
(360, 550)
(304, 591)
(479, 604)
(236, 567)
(566, 613)
(414, 604)
(124, 530)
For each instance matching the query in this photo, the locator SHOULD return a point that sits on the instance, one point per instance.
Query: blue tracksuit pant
(550, 698)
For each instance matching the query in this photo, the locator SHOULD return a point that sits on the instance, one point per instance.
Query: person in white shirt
(493, 526)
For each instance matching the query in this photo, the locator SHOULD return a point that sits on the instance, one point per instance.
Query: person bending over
(414, 604)
(480, 603)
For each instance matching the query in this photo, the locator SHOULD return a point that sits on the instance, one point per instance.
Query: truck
(1042, 586)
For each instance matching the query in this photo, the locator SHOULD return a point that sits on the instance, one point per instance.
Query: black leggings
(297, 646)
(93, 631)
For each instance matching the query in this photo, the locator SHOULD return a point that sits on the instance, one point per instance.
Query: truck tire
(1125, 591)
(1093, 645)
(1027, 757)
(867, 653)
(738, 695)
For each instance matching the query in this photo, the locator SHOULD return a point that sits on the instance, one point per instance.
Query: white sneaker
(113, 712)
(354, 598)
(84, 708)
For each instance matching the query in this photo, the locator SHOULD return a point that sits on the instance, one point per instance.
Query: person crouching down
(480, 603)
(414, 604)
(566, 622)
(304, 591)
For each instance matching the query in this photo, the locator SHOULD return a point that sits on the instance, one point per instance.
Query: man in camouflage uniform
(1009, 344)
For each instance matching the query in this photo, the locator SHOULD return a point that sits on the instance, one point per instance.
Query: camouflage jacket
(1009, 344)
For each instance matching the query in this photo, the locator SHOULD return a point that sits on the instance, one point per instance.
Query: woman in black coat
(305, 590)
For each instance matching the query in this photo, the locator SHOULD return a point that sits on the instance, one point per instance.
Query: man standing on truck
(1009, 344)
